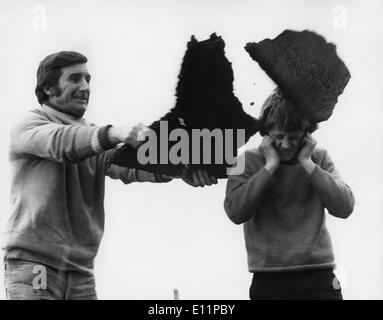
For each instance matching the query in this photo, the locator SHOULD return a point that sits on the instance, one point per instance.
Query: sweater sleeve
(129, 175)
(244, 192)
(336, 195)
(36, 136)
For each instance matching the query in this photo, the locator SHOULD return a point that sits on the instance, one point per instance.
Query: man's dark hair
(278, 112)
(49, 70)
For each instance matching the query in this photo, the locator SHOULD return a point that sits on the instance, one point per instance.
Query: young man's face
(72, 93)
(287, 144)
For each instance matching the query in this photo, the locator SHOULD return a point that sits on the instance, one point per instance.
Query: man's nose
(84, 85)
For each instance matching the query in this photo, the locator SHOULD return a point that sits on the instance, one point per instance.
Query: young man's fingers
(309, 140)
(265, 139)
(266, 142)
(269, 141)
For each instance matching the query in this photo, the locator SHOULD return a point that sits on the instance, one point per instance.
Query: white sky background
(161, 237)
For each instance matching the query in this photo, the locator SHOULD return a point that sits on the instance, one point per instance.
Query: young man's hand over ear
(304, 155)
(270, 154)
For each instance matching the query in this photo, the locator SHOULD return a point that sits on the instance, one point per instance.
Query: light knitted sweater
(58, 165)
(287, 230)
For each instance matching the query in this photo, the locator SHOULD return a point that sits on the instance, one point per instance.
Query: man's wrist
(104, 140)
(308, 165)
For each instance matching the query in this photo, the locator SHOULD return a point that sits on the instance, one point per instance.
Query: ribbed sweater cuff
(100, 141)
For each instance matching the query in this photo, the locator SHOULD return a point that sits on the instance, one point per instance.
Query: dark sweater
(57, 191)
(287, 229)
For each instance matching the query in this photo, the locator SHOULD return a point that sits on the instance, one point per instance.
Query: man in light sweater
(59, 162)
(281, 199)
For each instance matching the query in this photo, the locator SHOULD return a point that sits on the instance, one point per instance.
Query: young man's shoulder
(253, 152)
(319, 155)
(253, 157)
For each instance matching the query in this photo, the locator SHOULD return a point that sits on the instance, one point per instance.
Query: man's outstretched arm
(37, 136)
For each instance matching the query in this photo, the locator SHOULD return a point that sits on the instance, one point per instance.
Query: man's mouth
(82, 98)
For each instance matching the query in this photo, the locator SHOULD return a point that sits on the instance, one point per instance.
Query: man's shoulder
(34, 112)
(33, 115)
(39, 115)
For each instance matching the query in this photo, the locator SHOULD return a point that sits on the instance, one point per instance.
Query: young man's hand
(198, 178)
(304, 155)
(270, 154)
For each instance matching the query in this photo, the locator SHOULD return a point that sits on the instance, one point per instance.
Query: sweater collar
(65, 116)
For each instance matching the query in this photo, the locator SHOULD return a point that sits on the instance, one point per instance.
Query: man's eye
(75, 78)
